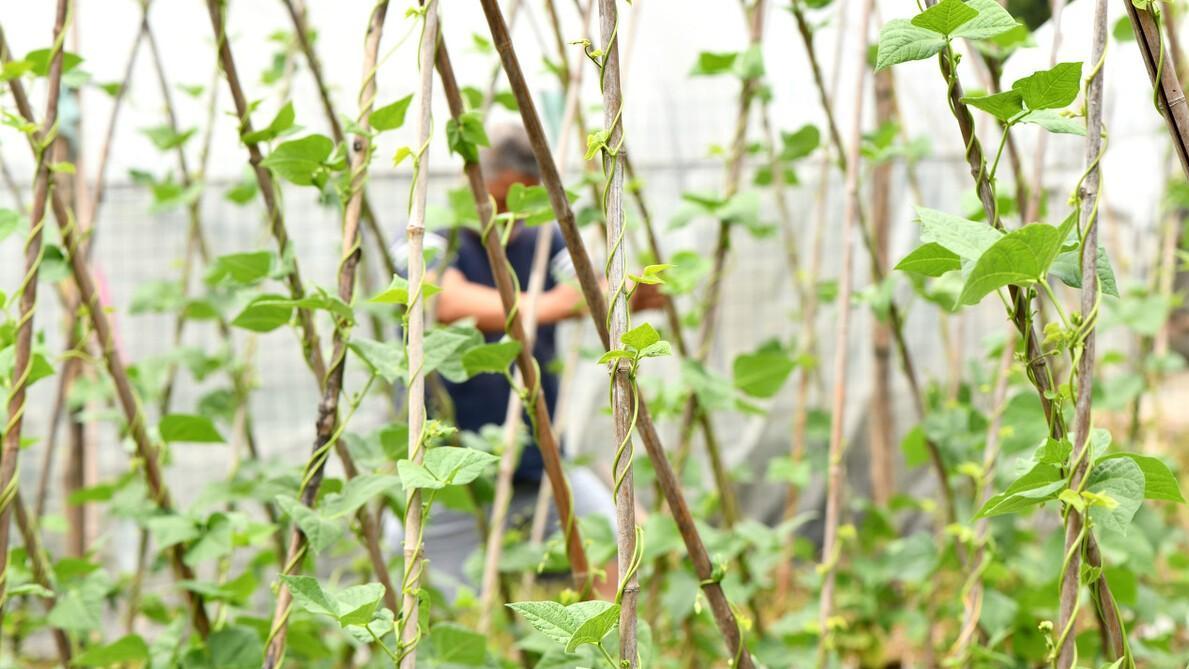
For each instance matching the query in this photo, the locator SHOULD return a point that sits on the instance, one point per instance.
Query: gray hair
(509, 150)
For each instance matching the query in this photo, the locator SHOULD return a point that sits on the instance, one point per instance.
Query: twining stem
(311, 348)
(530, 375)
(895, 318)
(408, 625)
(1075, 522)
(43, 140)
(1170, 96)
(709, 576)
(836, 476)
(297, 12)
(39, 567)
(623, 391)
(328, 421)
(146, 449)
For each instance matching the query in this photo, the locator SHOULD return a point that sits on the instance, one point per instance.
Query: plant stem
(328, 421)
(836, 477)
(43, 141)
(1075, 523)
(408, 626)
(721, 609)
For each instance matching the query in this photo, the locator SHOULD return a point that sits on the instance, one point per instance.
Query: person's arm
(461, 299)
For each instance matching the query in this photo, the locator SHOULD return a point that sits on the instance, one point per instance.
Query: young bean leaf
(1019, 258)
(300, 160)
(126, 650)
(944, 17)
(390, 117)
(490, 358)
(455, 645)
(900, 41)
(194, 429)
(1051, 89)
(641, 337)
(281, 124)
(763, 372)
(992, 20)
(1159, 481)
(593, 629)
(930, 259)
(1003, 106)
(1121, 481)
(965, 238)
(1056, 122)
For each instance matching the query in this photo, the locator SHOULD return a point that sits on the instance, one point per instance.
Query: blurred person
(468, 293)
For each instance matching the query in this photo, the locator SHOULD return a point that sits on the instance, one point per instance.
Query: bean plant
(1047, 533)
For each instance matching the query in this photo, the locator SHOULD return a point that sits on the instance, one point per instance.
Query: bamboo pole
(125, 396)
(721, 610)
(623, 390)
(836, 476)
(882, 427)
(409, 625)
(1076, 530)
(43, 141)
(1170, 96)
(328, 420)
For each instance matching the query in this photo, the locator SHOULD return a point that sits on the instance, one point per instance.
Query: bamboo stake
(623, 390)
(299, 15)
(882, 426)
(835, 479)
(895, 318)
(126, 397)
(43, 142)
(1076, 531)
(39, 566)
(328, 420)
(1170, 96)
(505, 284)
(312, 349)
(409, 625)
(721, 610)
(512, 419)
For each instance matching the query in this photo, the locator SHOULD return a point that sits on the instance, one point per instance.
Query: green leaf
(320, 532)
(1159, 481)
(414, 476)
(801, 143)
(397, 292)
(391, 117)
(171, 529)
(356, 604)
(992, 20)
(710, 63)
(641, 337)
(931, 259)
(1051, 89)
(126, 650)
(9, 222)
(1056, 122)
(556, 621)
(235, 647)
(900, 41)
(264, 314)
(454, 645)
(456, 465)
(1067, 267)
(1122, 480)
(39, 61)
(280, 123)
(309, 595)
(763, 373)
(245, 269)
(189, 428)
(386, 358)
(166, 138)
(490, 358)
(76, 612)
(465, 135)
(1021, 257)
(357, 492)
(1003, 106)
(965, 238)
(593, 629)
(298, 160)
(944, 17)
(529, 204)
(1041, 483)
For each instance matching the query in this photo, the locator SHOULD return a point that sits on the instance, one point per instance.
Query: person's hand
(647, 296)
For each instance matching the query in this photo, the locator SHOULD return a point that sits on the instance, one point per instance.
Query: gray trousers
(451, 537)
